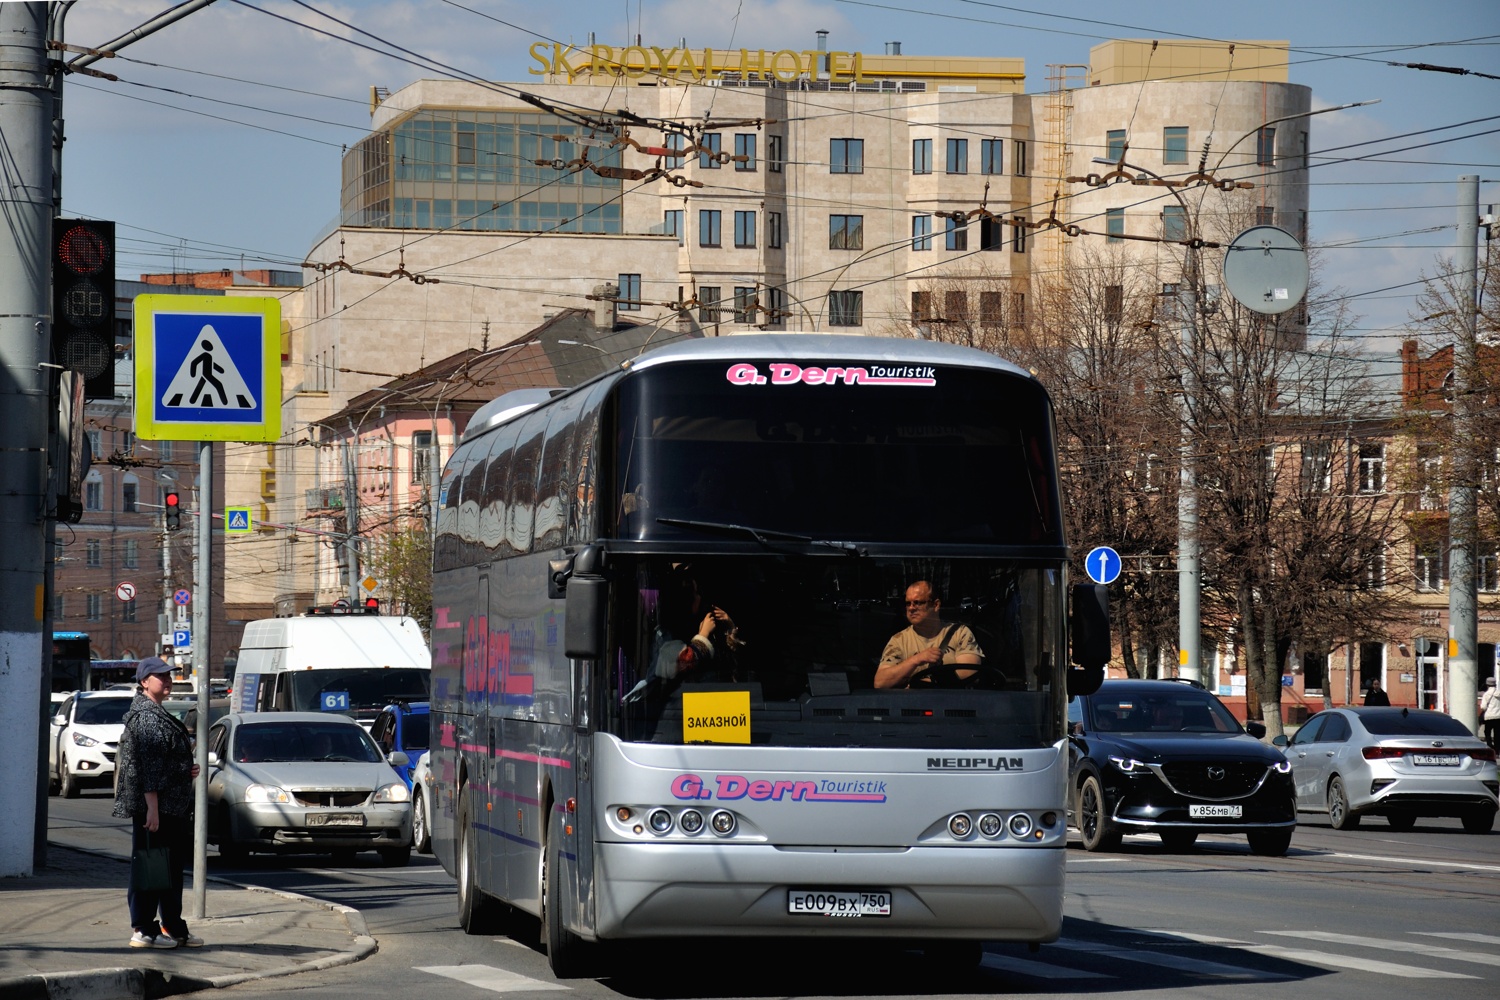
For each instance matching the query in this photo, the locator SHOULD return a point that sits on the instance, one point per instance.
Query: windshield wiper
(761, 535)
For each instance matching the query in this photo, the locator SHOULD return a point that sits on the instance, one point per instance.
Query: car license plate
(1435, 759)
(839, 903)
(1216, 812)
(336, 819)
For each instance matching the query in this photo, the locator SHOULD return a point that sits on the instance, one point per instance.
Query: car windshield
(1184, 711)
(1400, 722)
(101, 711)
(307, 741)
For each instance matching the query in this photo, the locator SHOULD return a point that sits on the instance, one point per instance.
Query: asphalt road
(1370, 913)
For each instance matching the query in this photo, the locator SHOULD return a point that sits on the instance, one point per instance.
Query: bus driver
(912, 652)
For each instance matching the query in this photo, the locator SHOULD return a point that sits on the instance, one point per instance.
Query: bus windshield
(805, 634)
(361, 691)
(968, 460)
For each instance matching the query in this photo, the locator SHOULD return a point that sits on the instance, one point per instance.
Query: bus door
(486, 775)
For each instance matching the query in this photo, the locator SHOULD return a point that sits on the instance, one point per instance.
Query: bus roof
(777, 346)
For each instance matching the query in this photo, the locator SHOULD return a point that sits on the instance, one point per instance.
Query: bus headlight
(660, 820)
(990, 825)
(691, 821)
(1020, 825)
(960, 825)
(723, 822)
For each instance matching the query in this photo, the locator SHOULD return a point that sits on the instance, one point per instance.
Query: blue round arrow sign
(1102, 564)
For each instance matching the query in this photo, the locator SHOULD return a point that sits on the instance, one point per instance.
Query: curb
(147, 983)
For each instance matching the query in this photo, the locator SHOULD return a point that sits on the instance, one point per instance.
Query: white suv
(85, 736)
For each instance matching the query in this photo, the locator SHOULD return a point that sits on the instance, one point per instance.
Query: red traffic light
(172, 507)
(372, 604)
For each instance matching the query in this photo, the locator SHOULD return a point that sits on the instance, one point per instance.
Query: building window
(921, 232)
(1114, 144)
(1174, 223)
(630, 293)
(1114, 303)
(164, 450)
(1174, 139)
(744, 145)
(775, 153)
(956, 306)
(921, 156)
(773, 230)
(1265, 147)
(672, 224)
(1317, 467)
(846, 308)
(708, 148)
(745, 301)
(465, 145)
(744, 230)
(958, 156)
(921, 307)
(128, 493)
(1017, 308)
(1018, 245)
(958, 234)
(991, 233)
(846, 232)
(846, 156)
(1018, 157)
(1373, 567)
(1371, 467)
(132, 556)
(775, 306)
(709, 222)
(127, 613)
(95, 607)
(1265, 215)
(421, 456)
(1427, 566)
(1114, 225)
(992, 156)
(96, 446)
(991, 312)
(1432, 496)
(708, 305)
(1487, 567)
(93, 553)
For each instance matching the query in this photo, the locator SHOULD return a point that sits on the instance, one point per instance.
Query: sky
(220, 144)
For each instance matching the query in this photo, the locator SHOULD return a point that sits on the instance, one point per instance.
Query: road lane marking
(1417, 947)
(1461, 936)
(1350, 962)
(488, 977)
(1179, 963)
(1037, 970)
(1409, 862)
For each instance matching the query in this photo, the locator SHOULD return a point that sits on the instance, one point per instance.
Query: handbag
(151, 868)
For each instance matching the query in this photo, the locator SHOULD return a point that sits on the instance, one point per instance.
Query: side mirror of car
(1256, 729)
(397, 758)
(213, 759)
(59, 720)
(1280, 741)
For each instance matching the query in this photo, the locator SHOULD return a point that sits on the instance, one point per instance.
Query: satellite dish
(1265, 269)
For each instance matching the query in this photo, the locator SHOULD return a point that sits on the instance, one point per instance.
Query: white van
(347, 661)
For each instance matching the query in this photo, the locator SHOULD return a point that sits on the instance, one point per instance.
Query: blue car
(403, 726)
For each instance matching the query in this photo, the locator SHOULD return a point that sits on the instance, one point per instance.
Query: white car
(421, 806)
(85, 736)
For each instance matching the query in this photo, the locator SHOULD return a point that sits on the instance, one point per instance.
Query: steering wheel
(945, 675)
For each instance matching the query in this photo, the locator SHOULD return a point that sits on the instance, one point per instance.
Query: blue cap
(151, 665)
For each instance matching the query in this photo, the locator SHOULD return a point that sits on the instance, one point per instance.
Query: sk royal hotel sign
(568, 62)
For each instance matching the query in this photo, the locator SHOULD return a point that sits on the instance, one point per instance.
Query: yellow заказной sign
(693, 65)
(715, 716)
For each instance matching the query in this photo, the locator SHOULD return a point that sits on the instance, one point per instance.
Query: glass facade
(475, 170)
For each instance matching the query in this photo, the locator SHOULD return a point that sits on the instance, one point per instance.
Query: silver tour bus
(660, 601)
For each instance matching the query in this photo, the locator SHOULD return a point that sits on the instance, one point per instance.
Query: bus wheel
(566, 951)
(477, 912)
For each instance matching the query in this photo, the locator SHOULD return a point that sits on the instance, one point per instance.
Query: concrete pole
(202, 668)
(25, 347)
(1463, 529)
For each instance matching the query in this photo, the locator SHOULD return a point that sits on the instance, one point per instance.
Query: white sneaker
(164, 941)
(188, 940)
(139, 940)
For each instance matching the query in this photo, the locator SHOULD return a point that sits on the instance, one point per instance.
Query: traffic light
(83, 302)
(172, 507)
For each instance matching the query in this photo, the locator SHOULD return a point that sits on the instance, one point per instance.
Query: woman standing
(155, 792)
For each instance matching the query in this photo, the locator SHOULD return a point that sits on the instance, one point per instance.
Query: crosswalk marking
(488, 977)
(1461, 936)
(1350, 962)
(1037, 970)
(1179, 963)
(1417, 947)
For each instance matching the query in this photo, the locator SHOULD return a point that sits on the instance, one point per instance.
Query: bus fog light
(960, 825)
(1049, 819)
(990, 825)
(723, 823)
(691, 821)
(1020, 825)
(660, 820)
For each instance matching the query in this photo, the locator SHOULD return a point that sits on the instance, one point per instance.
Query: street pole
(25, 391)
(202, 624)
(1463, 529)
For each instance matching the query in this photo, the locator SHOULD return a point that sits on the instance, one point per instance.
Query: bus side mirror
(1090, 637)
(584, 605)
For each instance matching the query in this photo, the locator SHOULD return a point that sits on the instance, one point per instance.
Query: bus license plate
(1437, 759)
(336, 819)
(1216, 812)
(838, 903)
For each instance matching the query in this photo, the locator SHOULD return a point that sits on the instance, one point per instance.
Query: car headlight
(268, 793)
(85, 741)
(1283, 767)
(394, 792)
(1130, 766)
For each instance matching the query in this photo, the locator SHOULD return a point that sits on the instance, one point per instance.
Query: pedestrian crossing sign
(237, 521)
(207, 368)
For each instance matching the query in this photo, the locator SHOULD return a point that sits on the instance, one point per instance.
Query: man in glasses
(913, 654)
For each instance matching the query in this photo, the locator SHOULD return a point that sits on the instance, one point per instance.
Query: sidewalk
(64, 933)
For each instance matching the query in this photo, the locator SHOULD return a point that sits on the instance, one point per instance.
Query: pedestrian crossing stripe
(208, 378)
(487, 977)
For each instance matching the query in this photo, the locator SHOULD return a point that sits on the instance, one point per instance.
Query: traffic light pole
(202, 617)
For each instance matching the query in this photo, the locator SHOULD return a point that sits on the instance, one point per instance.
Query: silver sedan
(304, 782)
(1399, 763)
